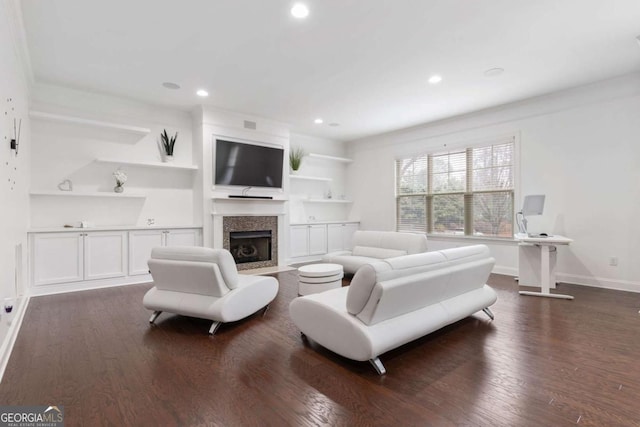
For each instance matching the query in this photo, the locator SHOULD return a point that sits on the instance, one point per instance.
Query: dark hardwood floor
(542, 362)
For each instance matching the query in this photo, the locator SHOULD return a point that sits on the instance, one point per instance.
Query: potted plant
(167, 145)
(121, 178)
(295, 158)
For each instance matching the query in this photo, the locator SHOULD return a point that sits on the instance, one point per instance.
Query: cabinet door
(317, 239)
(57, 258)
(348, 232)
(335, 237)
(105, 254)
(140, 244)
(182, 237)
(298, 241)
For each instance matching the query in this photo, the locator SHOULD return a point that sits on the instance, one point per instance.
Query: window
(466, 191)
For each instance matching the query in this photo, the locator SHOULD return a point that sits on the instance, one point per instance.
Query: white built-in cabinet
(141, 242)
(307, 241)
(74, 257)
(340, 236)
(75, 260)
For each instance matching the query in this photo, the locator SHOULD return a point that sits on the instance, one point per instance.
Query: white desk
(547, 275)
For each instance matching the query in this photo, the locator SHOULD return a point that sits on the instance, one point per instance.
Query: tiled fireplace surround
(233, 223)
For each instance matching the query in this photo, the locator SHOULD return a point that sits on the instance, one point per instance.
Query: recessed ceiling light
(300, 11)
(203, 93)
(493, 72)
(318, 121)
(435, 79)
(171, 85)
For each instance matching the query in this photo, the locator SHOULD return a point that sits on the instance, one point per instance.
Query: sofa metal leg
(154, 316)
(214, 327)
(378, 366)
(488, 312)
(266, 308)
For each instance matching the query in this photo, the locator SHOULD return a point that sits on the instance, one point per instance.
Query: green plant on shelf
(295, 158)
(168, 142)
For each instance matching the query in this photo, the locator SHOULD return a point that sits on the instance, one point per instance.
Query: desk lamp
(533, 205)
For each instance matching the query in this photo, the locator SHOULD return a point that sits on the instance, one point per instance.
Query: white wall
(68, 151)
(14, 171)
(580, 147)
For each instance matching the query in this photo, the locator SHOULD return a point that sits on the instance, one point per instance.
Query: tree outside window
(467, 191)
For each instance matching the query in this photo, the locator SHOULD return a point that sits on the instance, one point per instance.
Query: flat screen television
(247, 165)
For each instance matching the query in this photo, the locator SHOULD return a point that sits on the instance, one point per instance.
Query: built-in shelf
(248, 199)
(326, 201)
(88, 194)
(310, 178)
(332, 158)
(88, 122)
(158, 165)
(246, 214)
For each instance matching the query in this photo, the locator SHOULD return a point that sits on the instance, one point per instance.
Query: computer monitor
(533, 205)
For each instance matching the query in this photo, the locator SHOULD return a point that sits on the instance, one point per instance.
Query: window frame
(467, 145)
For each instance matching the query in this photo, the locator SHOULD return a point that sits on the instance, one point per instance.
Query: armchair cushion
(203, 282)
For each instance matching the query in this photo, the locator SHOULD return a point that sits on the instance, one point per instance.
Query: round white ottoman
(316, 278)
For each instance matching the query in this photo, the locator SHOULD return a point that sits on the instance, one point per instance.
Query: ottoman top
(320, 270)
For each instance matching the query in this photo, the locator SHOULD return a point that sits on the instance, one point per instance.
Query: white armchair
(204, 283)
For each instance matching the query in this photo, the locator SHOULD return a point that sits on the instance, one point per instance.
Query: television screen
(248, 165)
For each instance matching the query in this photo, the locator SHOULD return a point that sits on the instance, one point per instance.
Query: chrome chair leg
(488, 312)
(378, 366)
(154, 316)
(214, 327)
(266, 308)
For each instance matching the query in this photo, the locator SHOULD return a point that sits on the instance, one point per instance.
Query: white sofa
(395, 301)
(204, 283)
(371, 246)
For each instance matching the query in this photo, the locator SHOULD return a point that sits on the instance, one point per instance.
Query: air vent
(249, 125)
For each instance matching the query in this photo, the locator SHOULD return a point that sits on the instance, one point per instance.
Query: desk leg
(545, 277)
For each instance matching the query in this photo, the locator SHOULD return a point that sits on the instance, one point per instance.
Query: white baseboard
(507, 271)
(575, 279)
(12, 334)
(62, 288)
(599, 282)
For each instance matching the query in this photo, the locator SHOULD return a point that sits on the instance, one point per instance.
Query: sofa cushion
(350, 263)
(380, 253)
(410, 243)
(221, 257)
(363, 296)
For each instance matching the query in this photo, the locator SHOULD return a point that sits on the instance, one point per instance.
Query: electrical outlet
(613, 261)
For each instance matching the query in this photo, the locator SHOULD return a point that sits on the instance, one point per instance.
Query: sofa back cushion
(403, 295)
(409, 243)
(189, 256)
(396, 286)
(380, 253)
(188, 277)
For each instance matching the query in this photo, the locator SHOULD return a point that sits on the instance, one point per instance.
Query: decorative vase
(168, 159)
(118, 188)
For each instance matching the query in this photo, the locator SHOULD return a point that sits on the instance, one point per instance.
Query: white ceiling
(361, 63)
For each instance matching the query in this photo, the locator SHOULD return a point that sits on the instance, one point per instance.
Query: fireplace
(250, 246)
(252, 240)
